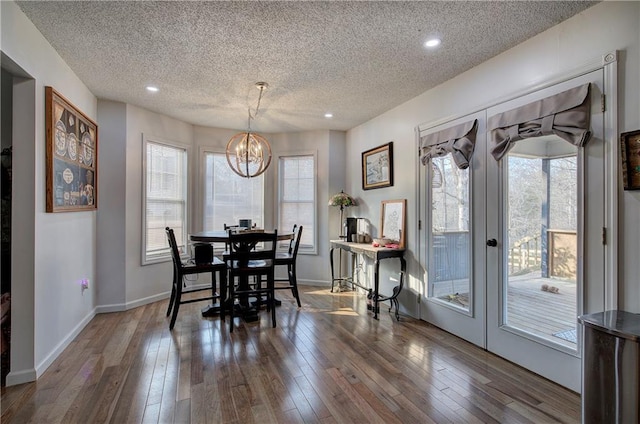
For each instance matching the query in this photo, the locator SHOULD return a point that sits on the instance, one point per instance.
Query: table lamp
(343, 200)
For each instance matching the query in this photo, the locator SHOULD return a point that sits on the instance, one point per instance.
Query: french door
(545, 219)
(530, 259)
(452, 239)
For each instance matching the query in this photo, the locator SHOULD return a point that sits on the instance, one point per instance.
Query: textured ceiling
(354, 59)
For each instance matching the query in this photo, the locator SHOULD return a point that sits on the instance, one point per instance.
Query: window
(228, 197)
(297, 197)
(165, 199)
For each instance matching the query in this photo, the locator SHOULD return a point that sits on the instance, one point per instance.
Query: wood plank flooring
(327, 362)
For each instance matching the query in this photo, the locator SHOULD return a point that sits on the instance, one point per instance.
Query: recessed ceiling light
(433, 42)
(152, 88)
(328, 115)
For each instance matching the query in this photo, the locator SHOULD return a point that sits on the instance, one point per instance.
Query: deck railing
(525, 255)
(451, 255)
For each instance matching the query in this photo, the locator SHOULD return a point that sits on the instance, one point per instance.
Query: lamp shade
(343, 200)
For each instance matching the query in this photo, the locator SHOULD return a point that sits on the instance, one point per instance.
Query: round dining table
(221, 236)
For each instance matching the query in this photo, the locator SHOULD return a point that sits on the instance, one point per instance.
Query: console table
(377, 254)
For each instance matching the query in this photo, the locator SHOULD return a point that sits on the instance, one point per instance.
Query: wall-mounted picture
(630, 152)
(72, 162)
(392, 219)
(377, 167)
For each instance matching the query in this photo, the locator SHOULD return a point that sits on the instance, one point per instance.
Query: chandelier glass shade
(248, 154)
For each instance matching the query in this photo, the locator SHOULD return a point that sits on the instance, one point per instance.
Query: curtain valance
(459, 140)
(565, 114)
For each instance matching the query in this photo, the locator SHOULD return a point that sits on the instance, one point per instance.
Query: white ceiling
(354, 59)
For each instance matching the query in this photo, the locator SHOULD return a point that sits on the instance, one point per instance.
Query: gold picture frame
(377, 167)
(71, 156)
(392, 220)
(630, 152)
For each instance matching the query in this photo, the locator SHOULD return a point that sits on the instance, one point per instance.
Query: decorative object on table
(249, 153)
(630, 154)
(71, 156)
(343, 200)
(392, 219)
(377, 167)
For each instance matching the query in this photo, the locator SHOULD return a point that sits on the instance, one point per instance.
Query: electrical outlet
(84, 284)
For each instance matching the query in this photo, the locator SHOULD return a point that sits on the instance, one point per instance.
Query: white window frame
(165, 254)
(304, 249)
(203, 186)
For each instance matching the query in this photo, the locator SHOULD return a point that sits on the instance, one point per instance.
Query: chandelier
(249, 153)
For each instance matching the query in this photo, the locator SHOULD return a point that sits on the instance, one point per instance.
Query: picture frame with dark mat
(71, 156)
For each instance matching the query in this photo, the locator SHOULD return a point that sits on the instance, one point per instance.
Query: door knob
(492, 242)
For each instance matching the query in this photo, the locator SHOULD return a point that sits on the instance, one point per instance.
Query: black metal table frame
(377, 254)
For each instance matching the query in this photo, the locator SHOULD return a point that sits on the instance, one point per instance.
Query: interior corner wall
(61, 246)
(112, 207)
(329, 147)
(148, 283)
(603, 28)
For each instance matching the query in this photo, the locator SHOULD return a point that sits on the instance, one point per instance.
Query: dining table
(222, 236)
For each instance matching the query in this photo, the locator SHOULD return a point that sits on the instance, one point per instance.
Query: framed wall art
(377, 167)
(71, 155)
(392, 219)
(630, 153)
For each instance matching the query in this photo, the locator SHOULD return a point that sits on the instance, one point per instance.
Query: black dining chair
(248, 268)
(181, 269)
(288, 259)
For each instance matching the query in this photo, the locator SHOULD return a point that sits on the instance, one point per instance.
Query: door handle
(492, 242)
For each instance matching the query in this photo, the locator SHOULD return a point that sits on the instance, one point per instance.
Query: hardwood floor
(327, 362)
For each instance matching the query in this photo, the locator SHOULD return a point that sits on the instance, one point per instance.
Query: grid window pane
(298, 197)
(165, 198)
(228, 197)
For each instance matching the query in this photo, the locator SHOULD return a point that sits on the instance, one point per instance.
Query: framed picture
(377, 167)
(72, 161)
(630, 152)
(392, 219)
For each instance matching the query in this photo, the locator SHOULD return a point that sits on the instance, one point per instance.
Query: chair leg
(223, 294)
(176, 302)
(173, 295)
(232, 296)
(293, 281)
(271, 300)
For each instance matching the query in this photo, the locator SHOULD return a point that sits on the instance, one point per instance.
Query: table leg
(376, 281)
(331, 262)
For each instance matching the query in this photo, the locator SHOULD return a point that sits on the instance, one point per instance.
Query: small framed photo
(71, 156)
(377, 167)
(392, 221)
(630, 153)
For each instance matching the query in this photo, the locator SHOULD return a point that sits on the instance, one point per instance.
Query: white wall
(150, 282)
(56, 250)
(603, 28)
(111, 223)
(329, 146)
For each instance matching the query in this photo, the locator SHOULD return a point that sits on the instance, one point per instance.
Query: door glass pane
(449, 266)
(541, 239)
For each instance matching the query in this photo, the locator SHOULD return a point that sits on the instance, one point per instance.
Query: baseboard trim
(46, 362)
(121, 307)
(20, 377)
(314, 282)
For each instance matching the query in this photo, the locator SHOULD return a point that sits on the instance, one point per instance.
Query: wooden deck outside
(530, 308)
